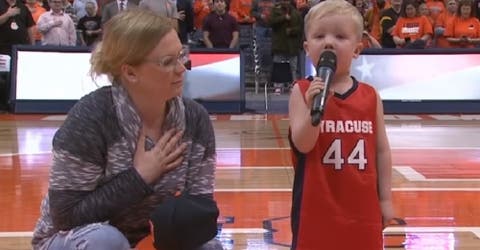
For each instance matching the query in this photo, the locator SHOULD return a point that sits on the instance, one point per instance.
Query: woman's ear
(128, 72)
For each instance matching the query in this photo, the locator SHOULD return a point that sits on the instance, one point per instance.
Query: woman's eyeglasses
(171, 62)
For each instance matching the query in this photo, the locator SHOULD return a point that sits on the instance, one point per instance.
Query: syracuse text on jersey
(347, 126)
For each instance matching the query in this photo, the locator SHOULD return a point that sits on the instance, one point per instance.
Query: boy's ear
(305, 47)
(358, 50)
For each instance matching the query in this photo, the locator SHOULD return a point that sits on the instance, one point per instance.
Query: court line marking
(392, 230)
(393, 148)
(406, 171)
(412, 175)
(54, 118)
(223, 231)
(388, 117)
(278, 134)
(416, 189)
(253, 167)
(15, 234)
(286, 190)
(18, 154)
(409, 173)
(397, 229)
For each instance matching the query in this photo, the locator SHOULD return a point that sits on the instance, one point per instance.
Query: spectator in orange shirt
(36, 9)
(372, 18)
(443, 20)
(411, 30)
(436, 8)
(423, 10)
(464, 30)
(201, 9)
(240, 9)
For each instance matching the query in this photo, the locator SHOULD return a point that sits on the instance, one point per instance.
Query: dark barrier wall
(421, 81)
(51, 79)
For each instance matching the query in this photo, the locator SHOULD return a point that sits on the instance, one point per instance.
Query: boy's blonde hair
(334, 7)
(127, 39)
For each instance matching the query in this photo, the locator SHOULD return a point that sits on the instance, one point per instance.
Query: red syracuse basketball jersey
(335, 203)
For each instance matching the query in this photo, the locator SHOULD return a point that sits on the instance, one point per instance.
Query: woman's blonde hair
(334, 7)
(127, 39)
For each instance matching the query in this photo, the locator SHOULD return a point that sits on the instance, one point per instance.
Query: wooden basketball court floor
(436, 180)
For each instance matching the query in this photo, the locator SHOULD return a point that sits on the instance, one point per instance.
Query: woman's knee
(104, 236)
(97, 236)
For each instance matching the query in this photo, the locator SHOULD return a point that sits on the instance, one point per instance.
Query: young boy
(90, 24)
(342, 187)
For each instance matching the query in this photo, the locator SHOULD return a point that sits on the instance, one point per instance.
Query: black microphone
(325, 70)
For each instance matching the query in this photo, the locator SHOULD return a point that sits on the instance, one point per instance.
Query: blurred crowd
(215, 23)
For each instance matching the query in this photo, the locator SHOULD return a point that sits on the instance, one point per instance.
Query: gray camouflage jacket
(92, 178)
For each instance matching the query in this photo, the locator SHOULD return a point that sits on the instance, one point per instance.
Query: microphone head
(328, 59)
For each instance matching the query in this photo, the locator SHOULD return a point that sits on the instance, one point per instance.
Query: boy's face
(338, 33)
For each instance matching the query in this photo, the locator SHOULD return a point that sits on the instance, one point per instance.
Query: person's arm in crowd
(426, 37)
(474, 40)
(83, 31)
(234, 42)
(96, 32)
(387, 24)
(399, 41)
(45, 23)
(206, 32)
(373, 42)
(82, 39)
(31, 35)
(206, 39)
(72, 33)
(455, 39)
(389, 30)
(11, 12)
